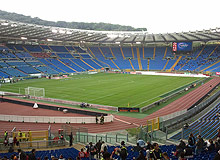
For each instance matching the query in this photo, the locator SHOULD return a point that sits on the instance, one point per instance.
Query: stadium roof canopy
(10, 30)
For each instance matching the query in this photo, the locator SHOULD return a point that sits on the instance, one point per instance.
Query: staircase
(165, 53)
(122, 53)
(213, 51)
(112, 52)
(77, 65)
(165, 65)
(131, 64)
(132, 51)
(210, 65)
(102, 52)
(87, 64)
(139, 59)
(200, 52)
(174, 65)
(155, 53)
(92, 52)
(184, 64)
(115, 64)
(66, 65)
(148, 64)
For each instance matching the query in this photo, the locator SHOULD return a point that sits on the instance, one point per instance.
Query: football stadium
(97, 94)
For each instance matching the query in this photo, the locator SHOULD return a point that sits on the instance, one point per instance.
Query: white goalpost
(34, 91)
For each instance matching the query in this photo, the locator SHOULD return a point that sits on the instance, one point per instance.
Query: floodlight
(54, 31)
(49, 40)
(62, 31)
(4, 23)
(14, 25)
(68, 32)
(138, 42)
(23, 38)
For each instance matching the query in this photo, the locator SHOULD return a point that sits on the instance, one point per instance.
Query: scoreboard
(182, 47)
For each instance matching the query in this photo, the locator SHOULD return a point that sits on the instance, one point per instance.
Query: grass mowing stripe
(106, 89)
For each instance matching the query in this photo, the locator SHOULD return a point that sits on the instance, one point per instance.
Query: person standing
(96, 119)
(71, 139)
(191, 140)
(6, 134)
(21, 155)
(32, 156)
(102, 120)
(123, 151)
(157, 153)
(91, 150)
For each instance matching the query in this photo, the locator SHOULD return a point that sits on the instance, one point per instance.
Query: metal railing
(34, 144)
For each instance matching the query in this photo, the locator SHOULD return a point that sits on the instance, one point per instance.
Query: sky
(158, 16)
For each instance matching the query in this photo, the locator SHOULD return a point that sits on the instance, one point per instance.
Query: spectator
(123, 151)
(157, 153)
(61, 157)
(182, 145)
(71, 139)
(182, 157)
(141, 142)
(199, 145)
(137, 148)
(98, 146)
(149, 152)
(141, 155)
(106, 156)
(218, 134)
(148, 145)
(188, 152)
(32, 156)
(211, 146)
(91, 150)
(165, 156)
(21, 155)
(217, 144)
(81, 154)
(10, 150)
(217, 156)
(191, 140)
(103, 146)
(46, 158)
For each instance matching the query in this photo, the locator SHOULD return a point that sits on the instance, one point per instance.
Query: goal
(34, 91)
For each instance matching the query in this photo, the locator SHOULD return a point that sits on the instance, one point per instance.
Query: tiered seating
(206, 126)
(5, 53)
(68, 59)
(58, 48)
(13, 72)
(46, 70)
(79, 50)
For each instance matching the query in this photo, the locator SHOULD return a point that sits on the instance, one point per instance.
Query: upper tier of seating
(69, 59)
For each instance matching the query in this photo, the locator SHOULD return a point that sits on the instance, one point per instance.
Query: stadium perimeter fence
(81, 135)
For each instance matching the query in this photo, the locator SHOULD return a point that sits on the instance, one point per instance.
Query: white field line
(162, 94)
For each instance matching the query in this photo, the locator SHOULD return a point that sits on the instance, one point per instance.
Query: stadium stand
(30, 59)
(205, 126)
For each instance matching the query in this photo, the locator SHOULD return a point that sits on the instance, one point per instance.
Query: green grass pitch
(105, 89)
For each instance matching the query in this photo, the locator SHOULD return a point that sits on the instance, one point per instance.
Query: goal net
(34, 91)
